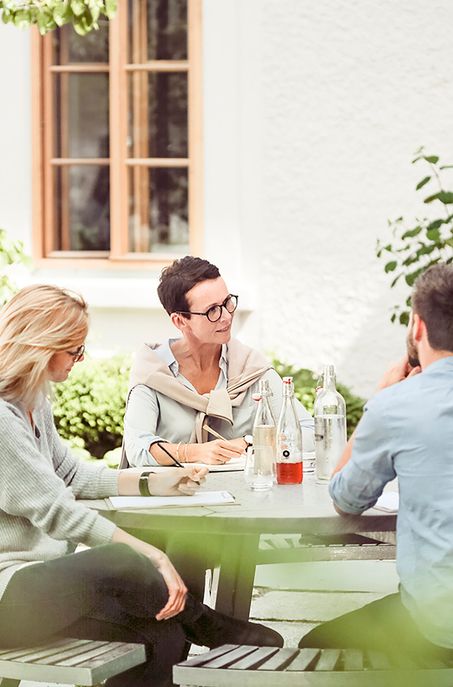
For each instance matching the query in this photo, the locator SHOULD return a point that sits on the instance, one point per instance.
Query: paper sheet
(200, 498)
(388, 502)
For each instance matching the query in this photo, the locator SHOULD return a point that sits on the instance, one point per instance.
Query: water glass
(259, 468)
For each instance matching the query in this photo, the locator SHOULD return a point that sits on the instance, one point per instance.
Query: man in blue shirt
(407, 432)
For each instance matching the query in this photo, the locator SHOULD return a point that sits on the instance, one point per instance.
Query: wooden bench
(250, 666)
(296, 548)
(70, 661)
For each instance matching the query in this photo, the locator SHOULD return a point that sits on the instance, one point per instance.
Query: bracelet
(185, 459)
(177, 451)
(143, 484)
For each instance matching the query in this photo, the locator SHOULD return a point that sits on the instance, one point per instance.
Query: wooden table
(304, 509)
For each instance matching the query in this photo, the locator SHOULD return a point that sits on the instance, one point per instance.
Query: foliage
(423, 242)
(12, 253)
(50, 14)
(305, 383)
(89, 406)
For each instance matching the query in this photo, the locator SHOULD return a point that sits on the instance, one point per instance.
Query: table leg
(237, 573)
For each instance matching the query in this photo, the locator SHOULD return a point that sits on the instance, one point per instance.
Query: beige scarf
(245, 367)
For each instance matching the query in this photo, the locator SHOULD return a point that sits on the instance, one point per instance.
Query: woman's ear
(178, 320)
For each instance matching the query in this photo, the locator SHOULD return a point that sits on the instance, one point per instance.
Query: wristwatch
(143, 484)
(248, 440)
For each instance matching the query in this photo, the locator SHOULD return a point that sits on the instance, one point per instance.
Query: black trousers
(383, 625)
(109, 592)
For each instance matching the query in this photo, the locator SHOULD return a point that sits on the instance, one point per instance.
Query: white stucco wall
(312, 112)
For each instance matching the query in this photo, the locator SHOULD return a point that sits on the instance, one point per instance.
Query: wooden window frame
(43, 163)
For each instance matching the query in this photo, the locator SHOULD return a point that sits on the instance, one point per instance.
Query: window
(117, 129)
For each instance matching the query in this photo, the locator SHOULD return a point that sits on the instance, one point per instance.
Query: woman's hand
(217, 451)
(176, 481)
(177, 590)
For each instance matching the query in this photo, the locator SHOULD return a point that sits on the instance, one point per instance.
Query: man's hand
(397, 373)
(176, 481)
(217, 451)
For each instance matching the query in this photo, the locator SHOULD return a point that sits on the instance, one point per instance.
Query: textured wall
(333, 99)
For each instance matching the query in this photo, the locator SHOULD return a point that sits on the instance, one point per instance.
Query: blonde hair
(37, 322)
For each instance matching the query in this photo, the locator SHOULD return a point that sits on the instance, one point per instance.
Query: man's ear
(418, 327)
(178, 320)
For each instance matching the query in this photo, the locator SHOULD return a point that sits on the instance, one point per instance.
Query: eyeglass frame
(219, 305)
(78, 354)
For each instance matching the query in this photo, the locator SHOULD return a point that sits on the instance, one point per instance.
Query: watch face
(248, 439)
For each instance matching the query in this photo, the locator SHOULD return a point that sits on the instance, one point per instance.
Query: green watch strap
(143, 484)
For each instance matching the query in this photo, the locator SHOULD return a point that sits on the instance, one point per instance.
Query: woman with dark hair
(182, 389)
(119, 589)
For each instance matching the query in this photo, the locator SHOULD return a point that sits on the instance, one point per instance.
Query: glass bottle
(330, 426)
(261, 458)
(289, 439)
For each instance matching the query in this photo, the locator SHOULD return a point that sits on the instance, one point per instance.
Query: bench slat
(96, 656)
(304, 659)
(378, 660)
(252, 660)
(74, 653)
(230, 657)
(279, 660)
(206, 656)
(352, 659)
(39, 651)
(328, 659)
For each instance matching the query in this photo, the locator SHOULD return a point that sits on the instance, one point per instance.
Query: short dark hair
(179, 277)
(432, 300)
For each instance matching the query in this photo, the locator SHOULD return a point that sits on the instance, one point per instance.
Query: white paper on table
(389, 502)
(200, 498)
(232, 465)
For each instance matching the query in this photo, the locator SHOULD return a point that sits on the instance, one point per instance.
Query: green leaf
(404, 318)
(410, 278)
(62, 14)
(433, 159)
(390, 266)
(110, 8)
(78, 7)
(445, 197)
(422, 183)
(394, 282)
(446, 167)
(411, 233)
(430, 199)
(433, 235)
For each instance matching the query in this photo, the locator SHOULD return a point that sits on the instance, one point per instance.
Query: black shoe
(213, 629)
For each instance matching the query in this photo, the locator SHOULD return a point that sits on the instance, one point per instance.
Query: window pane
(158, 210)
(81, 115)
(69, 47)
(157, 30)
(158, 114)
(82, 214)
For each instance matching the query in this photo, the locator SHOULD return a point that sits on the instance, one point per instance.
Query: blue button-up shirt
(407, 432)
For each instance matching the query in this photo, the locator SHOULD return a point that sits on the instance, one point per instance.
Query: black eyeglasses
(214, 313)
(78, 354)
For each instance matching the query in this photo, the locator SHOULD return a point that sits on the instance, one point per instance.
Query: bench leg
(237, 574)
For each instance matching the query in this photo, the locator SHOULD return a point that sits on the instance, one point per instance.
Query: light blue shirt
(407, 432)
(151, 416)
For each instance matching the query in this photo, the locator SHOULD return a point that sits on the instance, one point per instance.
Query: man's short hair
(179, 277)
(432, 300)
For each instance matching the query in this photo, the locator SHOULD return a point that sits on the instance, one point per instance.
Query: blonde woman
(120, 588)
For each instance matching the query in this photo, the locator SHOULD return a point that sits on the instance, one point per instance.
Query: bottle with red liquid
(289, 439)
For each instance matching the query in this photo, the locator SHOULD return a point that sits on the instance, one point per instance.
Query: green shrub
(305, 390)
(89, 406)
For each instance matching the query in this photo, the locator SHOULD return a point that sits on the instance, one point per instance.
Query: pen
(213, 432)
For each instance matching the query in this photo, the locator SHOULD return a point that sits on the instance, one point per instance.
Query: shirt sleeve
(359, 484)
(305, 419)
(30, 488)
(87, 480)
(140, 425)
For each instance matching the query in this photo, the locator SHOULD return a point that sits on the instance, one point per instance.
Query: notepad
(200, 498)
(233, 465)
(388, 502)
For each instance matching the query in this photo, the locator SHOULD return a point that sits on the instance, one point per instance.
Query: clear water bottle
(330, 426)
(289, 439)
(259, 469)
